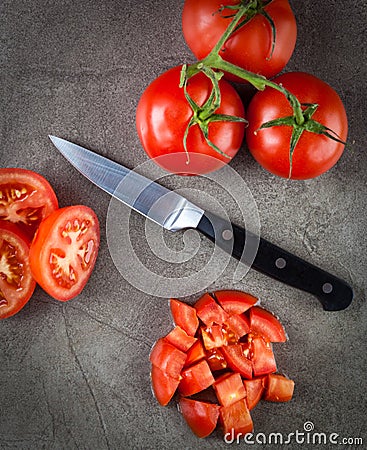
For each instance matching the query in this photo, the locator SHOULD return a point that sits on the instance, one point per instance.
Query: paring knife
(176, 213)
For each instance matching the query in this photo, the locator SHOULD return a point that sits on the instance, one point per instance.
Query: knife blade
(174, 212)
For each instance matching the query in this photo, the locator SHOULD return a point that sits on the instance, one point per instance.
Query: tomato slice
(238, 325)
(236, 356)
(163, 386)
(229, 389)
(213, 336)
(254, 391)
(264, 323)
(168, 358)
(201, 417)
(236, 419)
(278, 388)
(180, 339)
(16, 281)
(195, 379)
(26, 198)
(184, 316)
(209, 311)
(64, 251)
(235, 302)
(195, 353)
(262, 356)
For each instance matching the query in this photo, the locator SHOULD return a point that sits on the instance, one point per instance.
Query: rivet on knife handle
(333, 293)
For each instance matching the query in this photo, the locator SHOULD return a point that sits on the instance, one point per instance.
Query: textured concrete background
(76, 375)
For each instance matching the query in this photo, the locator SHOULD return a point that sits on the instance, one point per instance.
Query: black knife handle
(333, 293)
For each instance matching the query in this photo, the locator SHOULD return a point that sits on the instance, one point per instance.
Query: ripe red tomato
(64, 251)
(278, 388)
(314, 154)
(229, 388)
(26, 198)
(16, 282)
(264, 323)
(202, 417)
(164, 386)
(163, 114)
(236, 419)
(184, 316)
(250, 46)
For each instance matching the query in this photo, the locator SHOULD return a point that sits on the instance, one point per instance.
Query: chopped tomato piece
(236, 419)
(262, 357)
(184, 316)
(163, 385)
(180, 339)
(209, 311)
(202, 417)
(278, 388)
(254, 390)
(236, 356)
(26, 199)
(265, 324)
(216, 359)
(195, 353)
(229, 389)
(195, 378)
(235, 302)
(238, 325)
(168, 358)
(64, 251)
(16, 281)
(213, 336)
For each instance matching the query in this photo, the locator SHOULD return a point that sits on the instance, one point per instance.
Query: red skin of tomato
(16, 281)
(265, 324)
(314, 154)
(163, 114)
(201, 417)
(249, 47)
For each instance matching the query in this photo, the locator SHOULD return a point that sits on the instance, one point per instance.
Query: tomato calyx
(299, 126)
(250, 9)
(205, 114)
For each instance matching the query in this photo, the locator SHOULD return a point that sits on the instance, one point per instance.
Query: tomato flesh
(237, 360)
(254, 391)
(195, 353)
(16, 281)
(278, 388)
(26, 198)
(229, 389)
(168, 358)
(236, 419)
(202, 417)
(184, 316)
(64, 251)
(263, 360)
(163, 385)
(264, 323)
(180, 339)
(195, 379)
(209, 311)
(235, 302)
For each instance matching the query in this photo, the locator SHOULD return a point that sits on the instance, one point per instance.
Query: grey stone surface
(76, 375)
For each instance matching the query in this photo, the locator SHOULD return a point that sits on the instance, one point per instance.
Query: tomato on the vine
(256, 46)
(314, 153)
(164, 114)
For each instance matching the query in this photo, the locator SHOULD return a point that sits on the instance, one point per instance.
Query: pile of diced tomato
(220, 348)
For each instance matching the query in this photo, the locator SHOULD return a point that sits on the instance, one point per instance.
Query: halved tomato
(229, 389)
(236, 419)
(184, 316)
(64, 251)
(26, 198)
(235, 302)
(278, 388)
(195, 379)
(168, 358)
(264, 323)
(16, 281)
(202, 417)
(164, 386)
(254, 390)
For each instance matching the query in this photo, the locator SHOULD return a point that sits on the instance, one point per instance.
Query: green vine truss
(214, 66)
